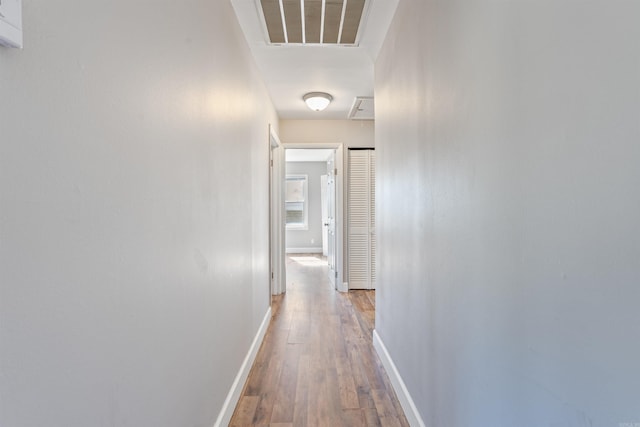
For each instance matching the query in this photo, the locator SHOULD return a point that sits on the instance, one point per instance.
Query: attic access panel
(363, 108)
(313, 21)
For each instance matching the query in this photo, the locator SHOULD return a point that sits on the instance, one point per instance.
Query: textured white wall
(507, 139)
(351, 133)
(134, 266)
(302, 238)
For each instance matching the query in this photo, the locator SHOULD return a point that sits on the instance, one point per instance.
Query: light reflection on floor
(309, 260)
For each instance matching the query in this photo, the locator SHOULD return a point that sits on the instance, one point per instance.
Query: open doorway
(310, 205)
(311, 208)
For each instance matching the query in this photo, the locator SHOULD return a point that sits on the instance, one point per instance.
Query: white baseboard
(344, 287)
(410, 410)
(238, 384)
(304, 250)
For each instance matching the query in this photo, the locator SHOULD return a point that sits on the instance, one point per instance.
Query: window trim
(305, 202)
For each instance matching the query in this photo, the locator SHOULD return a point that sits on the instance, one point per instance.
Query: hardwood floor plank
(264, 409)
(333, 396)
(371, 417)
(261, 375)
(268, 396)
(300, 411)
(243, 415)
(371, 368)
(353, 418)
(347, 387)
(300, 328)
(286, 391)
(321, 404)
(386, 410)
(390, 422)
(383, 404)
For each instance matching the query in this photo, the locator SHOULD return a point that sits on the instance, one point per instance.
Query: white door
(331, 218)
(361, 219)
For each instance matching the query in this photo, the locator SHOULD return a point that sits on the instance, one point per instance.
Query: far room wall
(308, 240)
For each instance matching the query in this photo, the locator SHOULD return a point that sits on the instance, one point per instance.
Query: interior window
(297, 217)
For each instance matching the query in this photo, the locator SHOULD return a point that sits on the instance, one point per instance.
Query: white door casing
(325, 214)
(277, 228)
(340, 226)
(331, 219)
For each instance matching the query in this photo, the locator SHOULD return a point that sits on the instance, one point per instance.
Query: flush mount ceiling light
(317, 101)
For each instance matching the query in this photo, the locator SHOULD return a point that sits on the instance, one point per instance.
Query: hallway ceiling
(291, 70)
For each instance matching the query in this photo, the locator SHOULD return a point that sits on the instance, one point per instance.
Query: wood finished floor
(317, 365)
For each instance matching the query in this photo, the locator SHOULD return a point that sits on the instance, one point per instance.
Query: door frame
(277, 257)
(278, 213)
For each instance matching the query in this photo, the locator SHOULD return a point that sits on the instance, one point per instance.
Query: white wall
(302, 238)
(134, 265)
(350, 133)
(507, 136)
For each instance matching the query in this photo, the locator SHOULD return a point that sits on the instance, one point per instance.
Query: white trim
(409, 407)
(341, 215)
(277, 173)
(344, 11)
(344, 287)
(304, 225)
(322, 16)
(284, 23)
(304, 250)
(224, 417)
(302, 18)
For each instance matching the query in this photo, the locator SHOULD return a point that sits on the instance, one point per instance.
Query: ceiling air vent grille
(313, 21)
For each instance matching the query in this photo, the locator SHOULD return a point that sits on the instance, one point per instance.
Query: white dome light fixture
(317, 101)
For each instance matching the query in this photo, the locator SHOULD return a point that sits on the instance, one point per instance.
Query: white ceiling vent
(362, 108)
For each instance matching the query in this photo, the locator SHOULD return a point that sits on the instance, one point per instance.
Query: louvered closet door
(361, 219)
(372, 217)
